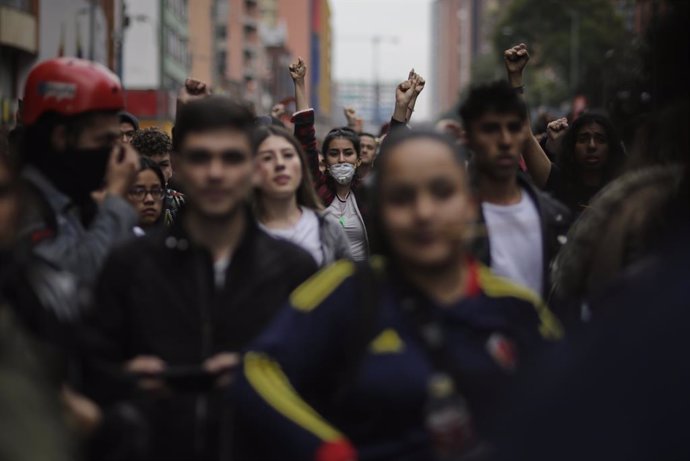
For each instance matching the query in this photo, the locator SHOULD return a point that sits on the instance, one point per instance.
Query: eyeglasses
(140, 193)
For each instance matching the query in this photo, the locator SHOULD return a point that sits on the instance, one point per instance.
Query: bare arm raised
(538, 164)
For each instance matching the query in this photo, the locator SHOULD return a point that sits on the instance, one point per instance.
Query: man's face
(591, 147)
(497, 140)
(215, 169)
(367, 149)
(164, 163)
(100, 131)
(126, 131)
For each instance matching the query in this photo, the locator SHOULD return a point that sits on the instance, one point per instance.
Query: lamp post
(375, 42)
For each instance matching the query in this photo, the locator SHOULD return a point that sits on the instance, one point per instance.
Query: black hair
(151, 141)
(375, 226)
(616, 154)
(211, 113)
(145, 163)
(362, 134)
(497, 97)
(343, 132)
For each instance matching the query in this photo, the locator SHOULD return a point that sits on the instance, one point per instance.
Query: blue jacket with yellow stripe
(295, 404)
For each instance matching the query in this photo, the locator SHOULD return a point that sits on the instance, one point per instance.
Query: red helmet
(70, 86)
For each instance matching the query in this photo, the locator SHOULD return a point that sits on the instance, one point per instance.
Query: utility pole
(376, 41)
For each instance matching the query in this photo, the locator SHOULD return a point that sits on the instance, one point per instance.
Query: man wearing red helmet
(71, 148)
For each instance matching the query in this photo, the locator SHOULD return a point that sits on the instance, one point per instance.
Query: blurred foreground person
(71, 149)
(403, 359)
(31, 414)
(286, 204)
(176, 306)
(619, 388)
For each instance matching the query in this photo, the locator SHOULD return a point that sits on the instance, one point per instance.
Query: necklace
(342, 200)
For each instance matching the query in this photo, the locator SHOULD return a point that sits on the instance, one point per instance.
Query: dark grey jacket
(53, 230)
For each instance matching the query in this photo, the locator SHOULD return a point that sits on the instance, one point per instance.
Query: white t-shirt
(304, 234)
(515, 238)
(347, 213)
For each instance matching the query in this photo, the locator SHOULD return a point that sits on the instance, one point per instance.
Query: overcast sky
(405, 21)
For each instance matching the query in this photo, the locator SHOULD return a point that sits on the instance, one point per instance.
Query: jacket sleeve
(84, 255)
(293, 364)
(306, 134)
(106, 331)
(397, 125)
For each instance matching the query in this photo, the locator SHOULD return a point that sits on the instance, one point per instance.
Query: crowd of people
(240, 290)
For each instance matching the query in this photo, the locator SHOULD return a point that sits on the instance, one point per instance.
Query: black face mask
(77, 172)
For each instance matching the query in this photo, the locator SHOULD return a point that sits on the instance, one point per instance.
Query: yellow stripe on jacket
(498, 287)
(268, 380)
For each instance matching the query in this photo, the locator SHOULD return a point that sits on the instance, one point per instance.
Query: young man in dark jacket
(524, 227)
(176, 307)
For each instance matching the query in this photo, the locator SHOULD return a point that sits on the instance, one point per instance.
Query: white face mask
(342, 172)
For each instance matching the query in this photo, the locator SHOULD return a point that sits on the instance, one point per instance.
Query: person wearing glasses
(336, 186)
(146, 196)
(155, 144)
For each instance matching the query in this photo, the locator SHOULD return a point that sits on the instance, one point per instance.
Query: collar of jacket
(177, 238)
(56, 199)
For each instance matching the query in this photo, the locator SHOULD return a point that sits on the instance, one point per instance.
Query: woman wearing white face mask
(341, 150)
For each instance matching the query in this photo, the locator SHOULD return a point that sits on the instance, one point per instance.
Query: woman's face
(278, 168)
(425, 203)
(591, 147)
(9, 207)
(341, 150)
(146, 196)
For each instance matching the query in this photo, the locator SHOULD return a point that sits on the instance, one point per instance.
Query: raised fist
(555, 131)
(420, 82)
(350, 114)
(278, 111)
(193, 89)
(298, 69)
(405, 91)
(516, 58)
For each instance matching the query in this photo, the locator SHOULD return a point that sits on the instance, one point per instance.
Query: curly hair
(152, 141)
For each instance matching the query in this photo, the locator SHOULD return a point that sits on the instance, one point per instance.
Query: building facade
(461, 32)
(362, 96)
(156, 58)
(34, 30)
